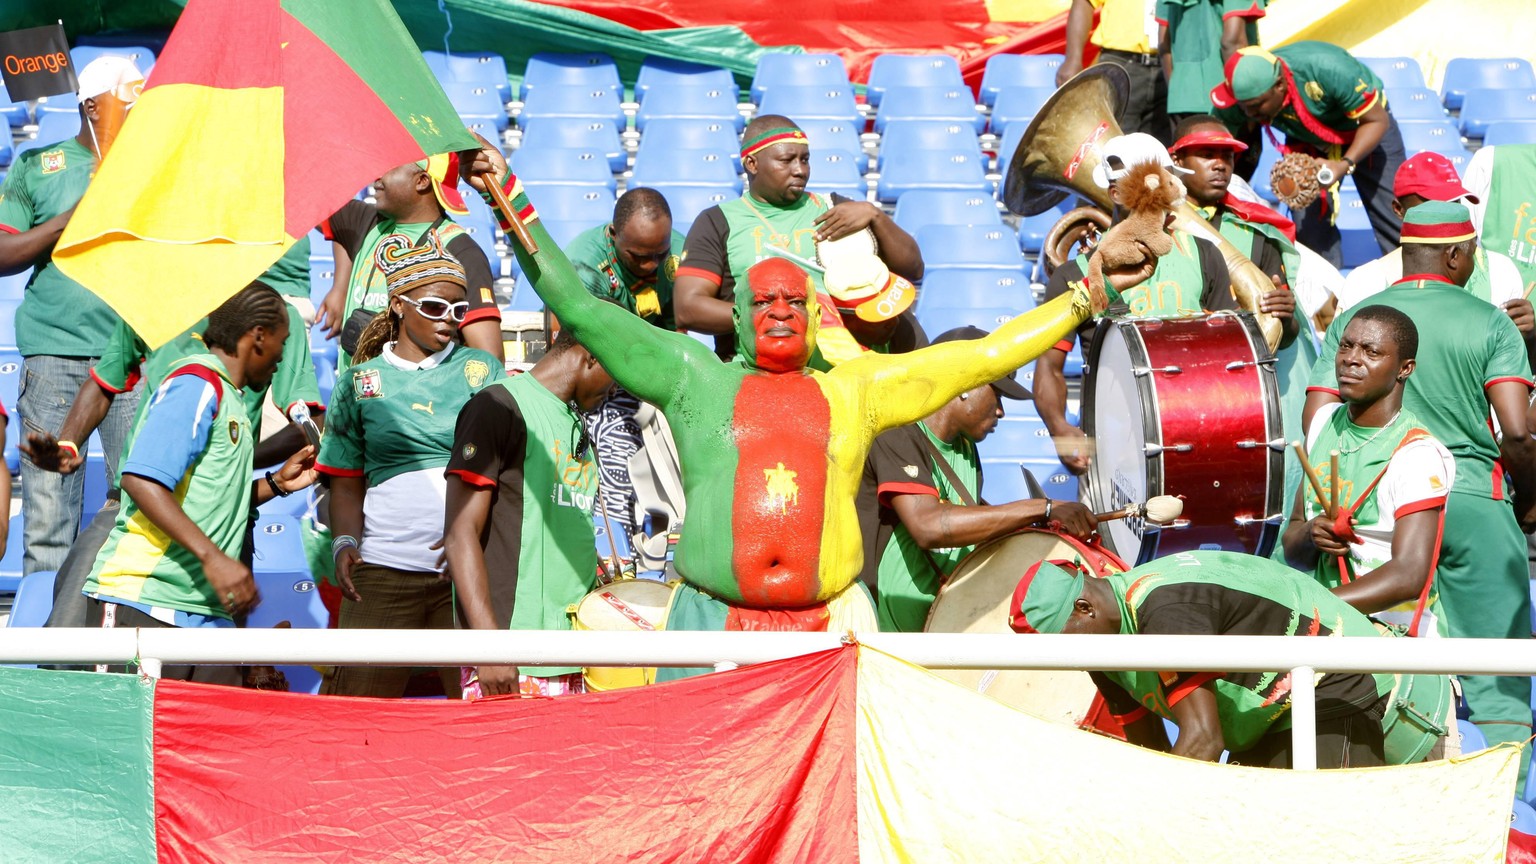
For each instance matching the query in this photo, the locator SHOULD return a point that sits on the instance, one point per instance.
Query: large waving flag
(838, 757)
(261, 118)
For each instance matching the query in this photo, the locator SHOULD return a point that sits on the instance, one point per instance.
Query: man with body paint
(772, 453)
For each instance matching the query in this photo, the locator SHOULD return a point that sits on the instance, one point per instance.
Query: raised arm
(647, 361)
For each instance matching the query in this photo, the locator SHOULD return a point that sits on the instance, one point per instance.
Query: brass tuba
(1060, 149)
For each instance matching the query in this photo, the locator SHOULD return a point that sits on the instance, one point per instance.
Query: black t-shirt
(898, 464)
(350, 225)
(1215, 287)
(490, 445)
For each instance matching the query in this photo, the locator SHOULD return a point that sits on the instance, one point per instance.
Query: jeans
(50, 502)
(69, 604)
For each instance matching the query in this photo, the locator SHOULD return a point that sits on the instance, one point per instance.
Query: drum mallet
(1160, 509)
(1317, 485)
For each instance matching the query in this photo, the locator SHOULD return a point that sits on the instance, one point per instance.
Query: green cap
(1254, 71)
(1438, 222)
(1044, 599)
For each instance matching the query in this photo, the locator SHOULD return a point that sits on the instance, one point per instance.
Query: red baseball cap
(1432, 177)
(1209, 138)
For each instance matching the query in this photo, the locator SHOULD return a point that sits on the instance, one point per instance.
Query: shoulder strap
(949, 473)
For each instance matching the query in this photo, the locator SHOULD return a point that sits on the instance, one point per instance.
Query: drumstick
(1333, 483)
(613, 545)
(1161, 509)
(1317, 486)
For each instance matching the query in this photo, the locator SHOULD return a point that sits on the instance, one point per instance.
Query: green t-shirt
(526, 445)
(1509, 220)
(385, 421)
(1194, 33)
(1177, 287)
(603, 274)
(289, 276)
(139, 563)
(907, 581)
(1335, 87)
(1230, 593)
(126, 359)
(1465, 345)
(58, 316)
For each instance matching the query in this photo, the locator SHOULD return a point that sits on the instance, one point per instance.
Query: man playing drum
(518, 526)
(771, 452)
(1190, 280)
(919, 506)
(1215, 593)
(1377, 551)
(1470, 357)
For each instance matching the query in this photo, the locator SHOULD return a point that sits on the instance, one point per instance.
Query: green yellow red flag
(261, 119)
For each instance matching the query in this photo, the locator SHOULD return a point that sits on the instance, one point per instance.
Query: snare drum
(1420, 711)
(1187, 407)
(626, 605)
(976, 598)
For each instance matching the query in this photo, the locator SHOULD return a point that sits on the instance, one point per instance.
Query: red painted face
(780, 316)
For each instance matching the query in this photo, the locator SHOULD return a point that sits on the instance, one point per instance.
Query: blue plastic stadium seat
(15, 114)
(1484, 106)
(781, 70)
(1007, 145)
(666, 136)
(1522, 818)
(6, 153)
(1017, 106)
(480, 225)
(934, 207)
(687, 202)
(911, 70)
(833, 101)
(10, 386)
(1464, 74)
(582, 71)
(320, 345)
(477, 103)
(926, 169)
(685, 168)
(836, 135)
(569, 100)
(1415, 104)
(970, 247)
(939, 316)
(63, 103)
(1510, 132)
(481, 67)
(1395, 72)
(1021, 434)
(1033, 229)
(1430, 136)
(946, 104)
(55, 127)
(1358, 239)
(1018, 70)
(97, 482)
(322, 277)
(34, 600)
(837, 171)
(10, 563)
(288, 591)
(564, 232)
(973, 289)
(691, 102)
(325, 375)
(661, 72)
(563, 167)
(8, 324)
(13, 286)
(578, 133)
(572, 203)
(1003, 480)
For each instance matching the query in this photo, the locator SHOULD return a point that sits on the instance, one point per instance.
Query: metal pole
(1303, 718)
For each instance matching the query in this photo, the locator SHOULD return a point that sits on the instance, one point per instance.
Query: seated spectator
(389, 438)
(172, 559)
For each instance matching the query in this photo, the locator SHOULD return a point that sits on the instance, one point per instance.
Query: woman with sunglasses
(388, 438)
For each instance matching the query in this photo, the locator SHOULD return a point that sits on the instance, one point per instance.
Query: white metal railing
(1302, 656)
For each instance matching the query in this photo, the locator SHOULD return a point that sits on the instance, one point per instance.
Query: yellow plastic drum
(628, 604)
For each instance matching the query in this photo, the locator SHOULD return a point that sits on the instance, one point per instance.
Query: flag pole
(519, 230)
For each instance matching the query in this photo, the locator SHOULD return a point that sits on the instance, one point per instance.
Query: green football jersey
(605, 276)
(58, 316)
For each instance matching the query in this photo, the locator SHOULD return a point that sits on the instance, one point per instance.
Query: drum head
(1120, 418)
(610, 606)
(976, 600)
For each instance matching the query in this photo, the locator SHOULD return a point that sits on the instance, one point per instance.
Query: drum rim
(1274, 430)
(1151, 420)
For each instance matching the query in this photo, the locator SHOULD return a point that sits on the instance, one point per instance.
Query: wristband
(72, 447)
(1047, 509)
(1351, 163)
(344, 541)
(276, 489)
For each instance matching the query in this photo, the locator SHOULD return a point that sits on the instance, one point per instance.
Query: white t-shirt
(1373, 277)
(1478, 182)
(1418, 477)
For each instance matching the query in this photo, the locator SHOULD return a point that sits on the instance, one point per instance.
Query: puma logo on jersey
(417, 406)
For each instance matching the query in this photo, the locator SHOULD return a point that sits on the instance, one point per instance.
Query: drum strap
(966, 498)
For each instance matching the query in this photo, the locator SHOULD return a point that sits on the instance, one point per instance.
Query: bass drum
(1187, 407)
(976, 598)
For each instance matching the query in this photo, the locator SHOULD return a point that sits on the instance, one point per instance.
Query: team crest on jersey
(367, 385)
(234, 432)
(910, 471)
(670, 267)
(487, 297)
(52, 161)
(1314, 90)
(476, 371)
(469, 451)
